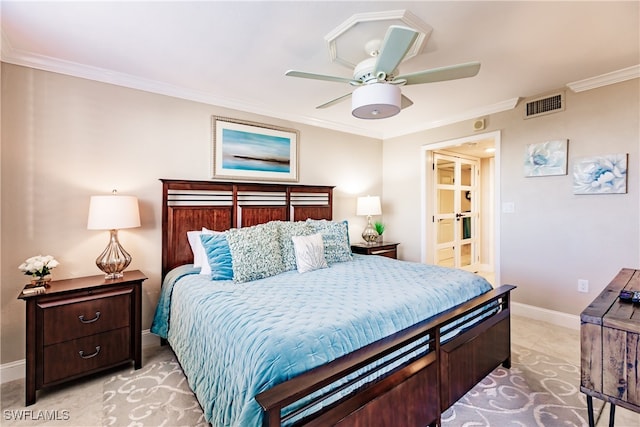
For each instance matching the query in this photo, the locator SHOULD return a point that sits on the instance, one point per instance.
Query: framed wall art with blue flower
(605, 174)
(546, 158)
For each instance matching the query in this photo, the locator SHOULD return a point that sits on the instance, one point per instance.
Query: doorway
(460, 195)
(456, 214)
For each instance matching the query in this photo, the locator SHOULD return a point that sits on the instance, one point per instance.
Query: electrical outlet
(583, 285)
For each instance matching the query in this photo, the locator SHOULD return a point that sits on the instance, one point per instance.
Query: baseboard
(12, 371)
(15, 370)
(149, 339)
(545, 315)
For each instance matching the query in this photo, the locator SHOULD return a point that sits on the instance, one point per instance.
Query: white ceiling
(235, 54)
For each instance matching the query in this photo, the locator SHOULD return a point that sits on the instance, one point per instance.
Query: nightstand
(390, 250)
(80, 326)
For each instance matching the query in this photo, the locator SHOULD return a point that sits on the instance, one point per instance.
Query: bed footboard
(406, 379)
(468, 358)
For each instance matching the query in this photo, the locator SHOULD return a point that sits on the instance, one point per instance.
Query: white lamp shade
(376, 101)
(113, 212)
(369, 205)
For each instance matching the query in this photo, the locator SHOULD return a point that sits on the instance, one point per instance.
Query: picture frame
(546, 158)
(603, 174)
(248, 150)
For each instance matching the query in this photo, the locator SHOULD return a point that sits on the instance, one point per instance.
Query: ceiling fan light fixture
(376, 101)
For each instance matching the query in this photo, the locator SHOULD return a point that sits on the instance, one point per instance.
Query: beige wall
(554, 237)
(65, 139)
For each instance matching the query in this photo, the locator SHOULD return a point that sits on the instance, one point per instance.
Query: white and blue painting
(606, 174)
(546, 158)
(248, 151)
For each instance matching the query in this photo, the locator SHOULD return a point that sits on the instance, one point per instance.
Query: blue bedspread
(237, 340)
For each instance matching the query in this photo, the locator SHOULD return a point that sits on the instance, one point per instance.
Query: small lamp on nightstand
(369, 205)
(113, 213)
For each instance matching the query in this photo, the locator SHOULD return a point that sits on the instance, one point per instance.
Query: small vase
(41, 281)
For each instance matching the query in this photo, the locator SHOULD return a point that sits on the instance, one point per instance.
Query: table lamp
(113, 213)
(369, 205)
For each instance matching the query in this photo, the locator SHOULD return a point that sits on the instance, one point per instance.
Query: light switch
(508, 207)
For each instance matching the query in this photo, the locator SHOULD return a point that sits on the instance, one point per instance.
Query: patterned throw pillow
(309, 252)
(255, 252)
(289, 229)
(218, 256)
(335, 236)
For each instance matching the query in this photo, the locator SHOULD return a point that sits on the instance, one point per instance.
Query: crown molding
(56, 65)
(498, 107)
(617, 76)
(74, 69)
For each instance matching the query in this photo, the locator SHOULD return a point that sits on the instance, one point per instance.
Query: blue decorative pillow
(255, 252)
(335, 236)
(309, 251)
(289, 229)
(218, 255)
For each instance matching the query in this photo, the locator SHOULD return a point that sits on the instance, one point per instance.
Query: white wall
(554, 237)
(65, 139)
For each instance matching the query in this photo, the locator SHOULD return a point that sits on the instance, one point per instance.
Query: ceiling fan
(378, 95)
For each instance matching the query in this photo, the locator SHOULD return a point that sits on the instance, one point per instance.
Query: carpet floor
(155, 395)
(538, 390)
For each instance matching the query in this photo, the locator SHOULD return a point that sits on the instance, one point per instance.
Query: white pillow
(199, 255)
(309, 252)
(194, 237)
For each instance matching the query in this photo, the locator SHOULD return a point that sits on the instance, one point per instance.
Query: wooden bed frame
(438, 372)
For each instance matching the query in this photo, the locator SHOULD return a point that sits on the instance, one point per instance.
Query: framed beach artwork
(254, 151)
(605, 174)
(546, 158)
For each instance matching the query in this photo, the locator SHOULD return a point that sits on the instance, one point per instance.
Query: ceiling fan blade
(452, 72)
(305, 75)
(394, 47)
(405, 102)
(334, 101)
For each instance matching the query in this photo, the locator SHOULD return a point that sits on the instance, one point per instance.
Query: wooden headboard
(219, 206)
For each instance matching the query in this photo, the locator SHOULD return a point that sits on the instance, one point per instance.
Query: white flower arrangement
(38, 266)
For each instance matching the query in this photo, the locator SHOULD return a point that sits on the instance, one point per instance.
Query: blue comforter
(237, 340)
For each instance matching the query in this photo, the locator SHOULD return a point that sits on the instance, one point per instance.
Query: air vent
(545, 105)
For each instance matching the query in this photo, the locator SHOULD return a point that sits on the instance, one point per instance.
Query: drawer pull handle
(81, 317)
(89, 356)
(384, 251)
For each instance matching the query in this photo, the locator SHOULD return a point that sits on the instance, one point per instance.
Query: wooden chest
(80, 326)
(390, 250)
(610, 344)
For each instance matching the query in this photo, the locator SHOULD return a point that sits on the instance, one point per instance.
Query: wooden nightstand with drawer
(80, 326)
(390, 250)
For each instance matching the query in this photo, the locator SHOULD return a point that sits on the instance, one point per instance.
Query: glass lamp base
(114, 259)
(117, 275)
(369, 235)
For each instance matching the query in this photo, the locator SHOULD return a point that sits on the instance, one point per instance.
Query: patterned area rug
(156, 395)
(538, 390)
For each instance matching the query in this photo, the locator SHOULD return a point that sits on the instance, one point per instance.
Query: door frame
(456, 244)
(426, 185)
